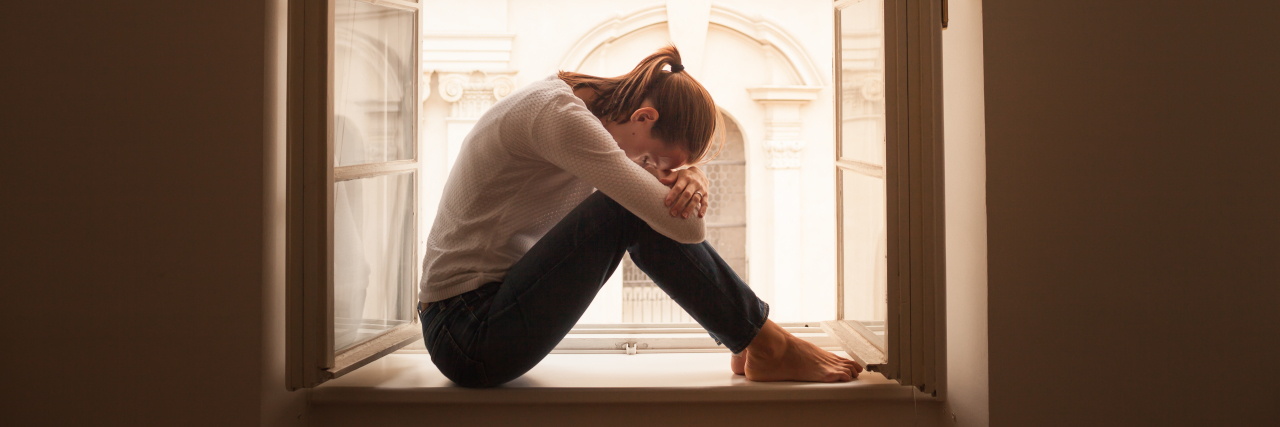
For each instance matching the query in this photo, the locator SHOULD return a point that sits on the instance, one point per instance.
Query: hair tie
(676, 68)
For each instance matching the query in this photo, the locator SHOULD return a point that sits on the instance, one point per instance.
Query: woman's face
(635, 138)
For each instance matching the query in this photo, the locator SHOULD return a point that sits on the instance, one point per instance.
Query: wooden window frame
(310, 355)
(913, 350)
(914, 347)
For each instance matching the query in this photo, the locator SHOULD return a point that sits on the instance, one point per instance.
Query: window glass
(862, 80)
(373, 84)
(865, 254)
(862, 159)
(373, 256)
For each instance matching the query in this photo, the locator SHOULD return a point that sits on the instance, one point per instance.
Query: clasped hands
(688, 193)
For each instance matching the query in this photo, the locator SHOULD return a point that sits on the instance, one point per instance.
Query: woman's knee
(599, 201)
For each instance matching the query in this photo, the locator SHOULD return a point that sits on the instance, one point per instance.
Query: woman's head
(675, 110)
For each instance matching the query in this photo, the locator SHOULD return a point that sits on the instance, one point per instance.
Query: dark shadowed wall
(1133, 212)
(133, 213)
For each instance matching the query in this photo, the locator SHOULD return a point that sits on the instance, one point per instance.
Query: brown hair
(687, 115)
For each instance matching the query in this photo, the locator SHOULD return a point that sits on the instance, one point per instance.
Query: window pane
(373, 257)
(865, 261)
(862, 112)
(374, 82)
(862, 80)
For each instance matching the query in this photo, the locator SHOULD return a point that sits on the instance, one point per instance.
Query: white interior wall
(964, 130)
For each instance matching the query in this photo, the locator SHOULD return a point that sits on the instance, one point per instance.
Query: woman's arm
(688, 190)
(566, 134)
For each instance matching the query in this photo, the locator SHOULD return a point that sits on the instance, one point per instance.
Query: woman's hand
(688, 192)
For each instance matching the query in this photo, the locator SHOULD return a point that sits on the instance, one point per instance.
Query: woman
(522, 241)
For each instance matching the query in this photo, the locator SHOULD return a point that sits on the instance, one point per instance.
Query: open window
(352, 184)
(359, 168)
(901, 106)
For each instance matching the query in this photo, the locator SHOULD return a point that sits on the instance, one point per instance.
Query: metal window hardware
(631, 347)
(945, 14)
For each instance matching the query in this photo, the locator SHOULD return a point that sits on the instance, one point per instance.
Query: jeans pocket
(432, 320)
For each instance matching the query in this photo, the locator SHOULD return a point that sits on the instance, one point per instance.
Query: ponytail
(687, 115)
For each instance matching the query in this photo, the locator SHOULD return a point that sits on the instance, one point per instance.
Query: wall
(1132, 210)
(134, 213)
(278, 406)
(966, 174)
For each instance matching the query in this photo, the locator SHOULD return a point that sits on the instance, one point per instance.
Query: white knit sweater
(532, 158)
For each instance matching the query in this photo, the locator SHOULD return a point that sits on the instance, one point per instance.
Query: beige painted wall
(966, 173)
(1132, 205)
(133, 219)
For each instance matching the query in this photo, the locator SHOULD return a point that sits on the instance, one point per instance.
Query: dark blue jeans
(494, 334)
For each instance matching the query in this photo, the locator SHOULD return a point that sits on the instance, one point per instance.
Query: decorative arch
(761, 30)
(729, 115)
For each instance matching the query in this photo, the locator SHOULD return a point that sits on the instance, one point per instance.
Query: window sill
(595, 378)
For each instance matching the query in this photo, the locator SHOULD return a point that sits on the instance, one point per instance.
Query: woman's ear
(645, 115)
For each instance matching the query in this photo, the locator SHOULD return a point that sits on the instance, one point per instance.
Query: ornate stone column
(471, 94)
(784, 144)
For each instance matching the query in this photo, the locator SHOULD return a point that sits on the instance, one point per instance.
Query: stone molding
(783, 145)
(466, 51)
(772, 94)
(782, 137)
(472, 93)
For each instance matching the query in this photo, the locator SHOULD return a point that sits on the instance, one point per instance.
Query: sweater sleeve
(566, 134)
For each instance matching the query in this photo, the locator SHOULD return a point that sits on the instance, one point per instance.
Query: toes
(738, 364)
(850, 370)
(850, 363)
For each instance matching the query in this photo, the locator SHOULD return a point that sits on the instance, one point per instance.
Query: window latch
(631, 347)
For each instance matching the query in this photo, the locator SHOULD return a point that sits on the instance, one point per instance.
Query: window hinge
(945, 14)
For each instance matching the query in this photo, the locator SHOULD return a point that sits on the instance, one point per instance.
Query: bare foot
(738, 363)
(776, 355)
